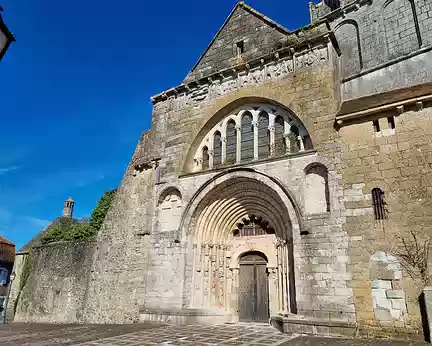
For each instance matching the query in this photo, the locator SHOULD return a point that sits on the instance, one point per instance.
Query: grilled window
(378, 204)
(253, 226)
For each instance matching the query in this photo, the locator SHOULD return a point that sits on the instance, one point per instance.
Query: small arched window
(333, 4)
(205, 158)
(263, 136)
(293, 136)
(280, 147)
(247, 137)
(217, 149)
(378, 203)
(231, 144)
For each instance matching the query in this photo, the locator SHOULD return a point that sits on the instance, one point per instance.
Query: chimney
(68, 208)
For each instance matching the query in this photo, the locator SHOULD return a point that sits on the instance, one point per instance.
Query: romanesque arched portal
(238, 214)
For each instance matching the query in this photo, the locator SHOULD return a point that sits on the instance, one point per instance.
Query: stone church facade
(279, 178)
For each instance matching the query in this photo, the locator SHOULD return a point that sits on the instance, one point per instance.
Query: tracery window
(252, 132)
(253, 226)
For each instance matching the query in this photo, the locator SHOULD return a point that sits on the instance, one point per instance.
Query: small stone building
(280, 181)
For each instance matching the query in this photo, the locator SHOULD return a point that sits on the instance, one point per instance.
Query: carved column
(287, 142)
(224, 149)
(213, 275)
(211, 158)
(286, 278)
(228, 280)
(195, 265)
(238, 147)
(272, 140)
(273, 290)
(300, 139)
(199, 161)
(234, 292)
(256, 139)
(206, 274)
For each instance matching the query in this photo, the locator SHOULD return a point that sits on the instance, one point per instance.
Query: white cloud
(5, 170)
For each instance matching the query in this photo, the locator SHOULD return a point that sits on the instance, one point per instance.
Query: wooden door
(253, 288)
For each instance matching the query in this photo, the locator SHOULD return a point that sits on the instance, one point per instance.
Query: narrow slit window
(240, 47)
(376, 126)
(378, 202)
(391, 123)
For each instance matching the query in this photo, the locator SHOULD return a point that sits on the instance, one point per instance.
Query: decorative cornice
(301, 46)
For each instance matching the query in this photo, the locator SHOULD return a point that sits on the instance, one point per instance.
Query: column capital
(255, 123)
(211, 153)
(223, 139)
(271, 128)
(238, 128)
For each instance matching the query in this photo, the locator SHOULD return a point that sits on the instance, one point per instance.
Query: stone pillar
(213, 276)
(228, 282)
(273, 291)
(234, 292)
(272, 140)
(238, 147)
(286, 278)
(300, 139)
(280, 289)
(224, 148)
(206, 275)
(211, 159)
(255, 127)
(427, 293)
(287, 142)
(195, 265)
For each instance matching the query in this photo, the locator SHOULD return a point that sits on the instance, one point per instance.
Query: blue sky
(75, 93)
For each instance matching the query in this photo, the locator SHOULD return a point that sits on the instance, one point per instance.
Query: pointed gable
(245, 35)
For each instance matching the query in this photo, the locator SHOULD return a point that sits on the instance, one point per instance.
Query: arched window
(333, 4)
(280, 147)
(293, 136)
(378, 203)
(317, 194)
(231, 143)
(247, 137)
(217, 149)
(205, 158)
(263, 136)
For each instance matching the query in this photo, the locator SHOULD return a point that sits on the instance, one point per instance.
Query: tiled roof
(5, 241)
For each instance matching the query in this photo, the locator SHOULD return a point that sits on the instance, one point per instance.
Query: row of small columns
(271, 129)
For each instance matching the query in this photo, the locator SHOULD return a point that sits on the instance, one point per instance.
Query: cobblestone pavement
(158, 334)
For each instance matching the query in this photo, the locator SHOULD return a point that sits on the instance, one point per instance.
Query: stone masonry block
(395, 294)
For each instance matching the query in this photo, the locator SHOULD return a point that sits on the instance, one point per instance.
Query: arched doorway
(238, 212)
(253, 288)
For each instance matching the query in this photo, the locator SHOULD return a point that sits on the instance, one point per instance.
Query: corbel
(419, 105)
(400, 109)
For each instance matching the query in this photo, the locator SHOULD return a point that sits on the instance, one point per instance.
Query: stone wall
(397, 162)
(247, 29)
(373, 35)
(56, 289)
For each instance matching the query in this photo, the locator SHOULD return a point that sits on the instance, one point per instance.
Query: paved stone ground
(158, 334)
